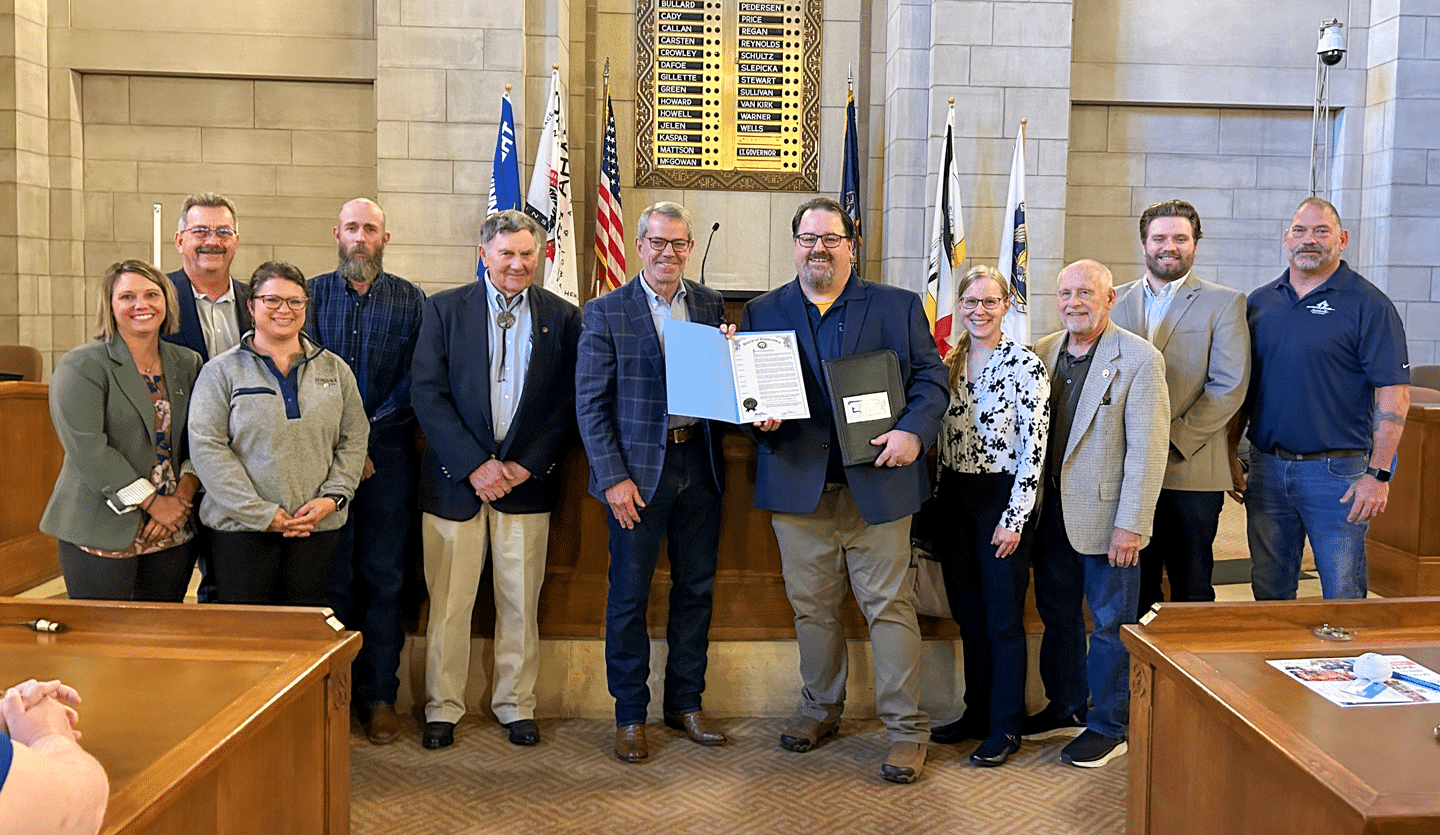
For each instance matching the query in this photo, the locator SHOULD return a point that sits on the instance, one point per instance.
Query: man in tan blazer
(1200, 328)
(1109, 419)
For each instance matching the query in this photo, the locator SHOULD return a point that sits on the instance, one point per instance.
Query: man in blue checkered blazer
(660, 475)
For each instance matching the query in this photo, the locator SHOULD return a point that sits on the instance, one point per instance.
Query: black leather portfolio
(866, 398)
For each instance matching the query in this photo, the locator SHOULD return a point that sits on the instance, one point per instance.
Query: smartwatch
(341, 501)
(1379, 474)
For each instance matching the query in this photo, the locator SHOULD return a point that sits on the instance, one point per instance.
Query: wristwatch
(1379, 474)
(340, 501)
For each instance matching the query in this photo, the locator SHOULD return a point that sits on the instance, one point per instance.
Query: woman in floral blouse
(992, 455)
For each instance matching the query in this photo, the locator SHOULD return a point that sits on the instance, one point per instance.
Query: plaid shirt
(374, 333)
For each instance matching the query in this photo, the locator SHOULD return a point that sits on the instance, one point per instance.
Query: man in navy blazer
(492, 386)
(831, 520)
(660, 475)
(214, 308)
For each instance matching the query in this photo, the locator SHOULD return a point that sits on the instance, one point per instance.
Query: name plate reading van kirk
(728, 94)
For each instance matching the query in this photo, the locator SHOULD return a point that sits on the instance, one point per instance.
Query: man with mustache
(214, 308)
(1200, 329)
(837, 524)
(1329, 389)
(371, 319)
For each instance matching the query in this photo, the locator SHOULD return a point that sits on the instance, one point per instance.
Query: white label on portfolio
(866, 407)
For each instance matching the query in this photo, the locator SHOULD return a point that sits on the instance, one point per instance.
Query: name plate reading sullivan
(728, 94)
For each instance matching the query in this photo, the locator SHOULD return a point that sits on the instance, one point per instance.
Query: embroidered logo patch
(1321, 309)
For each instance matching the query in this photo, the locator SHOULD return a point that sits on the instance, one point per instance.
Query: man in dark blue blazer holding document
(835, 522)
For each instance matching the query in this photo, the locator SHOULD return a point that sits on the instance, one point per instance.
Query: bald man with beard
(371, 319)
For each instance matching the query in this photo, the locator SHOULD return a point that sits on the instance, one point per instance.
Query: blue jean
(686, 509)
(1063, 577)
(1288, 501)
(369, 565)
(987, 595)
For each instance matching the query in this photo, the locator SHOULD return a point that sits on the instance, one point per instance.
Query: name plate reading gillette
(751, 377)
(728, 94)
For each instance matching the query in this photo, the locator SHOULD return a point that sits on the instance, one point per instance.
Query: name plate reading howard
(728, 94)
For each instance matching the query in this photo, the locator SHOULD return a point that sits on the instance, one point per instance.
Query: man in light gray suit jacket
(1109, 419)
(1200, 328)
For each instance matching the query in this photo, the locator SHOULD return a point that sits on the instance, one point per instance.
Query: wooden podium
(1221, 742)
(209, 720)
(1403, 544)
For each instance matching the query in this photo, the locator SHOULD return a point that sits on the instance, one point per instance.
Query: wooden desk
(1220, 742)
(208, 719)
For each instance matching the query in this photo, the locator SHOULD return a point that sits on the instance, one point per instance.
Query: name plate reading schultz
(728, 94)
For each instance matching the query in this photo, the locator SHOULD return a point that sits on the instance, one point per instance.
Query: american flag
(609, 220)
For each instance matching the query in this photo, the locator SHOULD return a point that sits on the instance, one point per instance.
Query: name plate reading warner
(728, 94)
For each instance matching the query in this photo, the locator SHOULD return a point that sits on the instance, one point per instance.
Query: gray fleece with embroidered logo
(255, 449)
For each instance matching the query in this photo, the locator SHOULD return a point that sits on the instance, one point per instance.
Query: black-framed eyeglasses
(679, 246)
(990, 303)
(808, 240)
(224, 233)
(273, 302)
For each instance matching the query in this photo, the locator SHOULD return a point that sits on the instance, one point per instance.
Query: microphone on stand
(708, 241)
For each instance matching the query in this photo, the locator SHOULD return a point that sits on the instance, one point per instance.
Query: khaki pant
(454, 559)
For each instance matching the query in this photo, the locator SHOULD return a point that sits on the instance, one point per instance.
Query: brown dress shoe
(696, 726)
(630, 743)
(382, 727)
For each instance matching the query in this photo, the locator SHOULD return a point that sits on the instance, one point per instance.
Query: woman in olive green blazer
(121, 506)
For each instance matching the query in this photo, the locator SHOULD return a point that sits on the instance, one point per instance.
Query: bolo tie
(506, 320)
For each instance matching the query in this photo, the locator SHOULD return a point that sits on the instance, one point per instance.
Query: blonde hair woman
(992, 454)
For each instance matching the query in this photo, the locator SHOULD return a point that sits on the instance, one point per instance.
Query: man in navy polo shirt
(1329, 390)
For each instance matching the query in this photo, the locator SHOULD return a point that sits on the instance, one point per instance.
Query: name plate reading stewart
(728, 94)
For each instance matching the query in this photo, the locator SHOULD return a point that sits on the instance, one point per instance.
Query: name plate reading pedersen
(728, 94)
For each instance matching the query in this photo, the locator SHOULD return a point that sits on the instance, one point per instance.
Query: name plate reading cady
(728, 94)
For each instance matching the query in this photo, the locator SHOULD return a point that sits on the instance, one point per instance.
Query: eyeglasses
(224, 233)
(808, 240)
(273, 302)
(990, 303)
(680, 246)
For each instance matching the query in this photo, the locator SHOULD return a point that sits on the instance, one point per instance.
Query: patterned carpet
(572, 783)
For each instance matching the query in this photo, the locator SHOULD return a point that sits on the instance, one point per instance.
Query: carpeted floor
(572, 783)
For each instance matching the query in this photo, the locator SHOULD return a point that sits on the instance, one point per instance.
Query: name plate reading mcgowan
(748, 378)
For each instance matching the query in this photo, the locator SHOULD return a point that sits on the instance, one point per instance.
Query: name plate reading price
(728, 94)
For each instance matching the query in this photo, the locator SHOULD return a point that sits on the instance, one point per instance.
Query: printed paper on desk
(863, 407)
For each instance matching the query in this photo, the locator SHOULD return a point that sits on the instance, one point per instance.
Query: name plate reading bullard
(728, 94)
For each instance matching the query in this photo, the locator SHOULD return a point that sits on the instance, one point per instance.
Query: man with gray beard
(371, 319)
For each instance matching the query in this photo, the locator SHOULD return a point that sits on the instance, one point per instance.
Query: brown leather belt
(683, 434)
(1317, 456)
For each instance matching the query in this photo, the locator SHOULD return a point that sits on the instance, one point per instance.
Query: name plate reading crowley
(728, 94)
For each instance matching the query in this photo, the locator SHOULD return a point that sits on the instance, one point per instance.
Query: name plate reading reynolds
(728, 94)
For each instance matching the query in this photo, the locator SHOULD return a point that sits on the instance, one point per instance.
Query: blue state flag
(850, 175)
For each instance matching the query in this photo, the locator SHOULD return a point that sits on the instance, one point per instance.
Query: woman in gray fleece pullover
(278, 435)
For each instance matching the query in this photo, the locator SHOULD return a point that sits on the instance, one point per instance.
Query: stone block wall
(288, 153)
(1244, 171)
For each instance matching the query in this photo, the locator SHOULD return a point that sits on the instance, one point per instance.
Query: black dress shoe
(996, 751)
(438, 734)
(523, 732)
(957, 731)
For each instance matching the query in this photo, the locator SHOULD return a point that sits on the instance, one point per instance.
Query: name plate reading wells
(728, 94)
